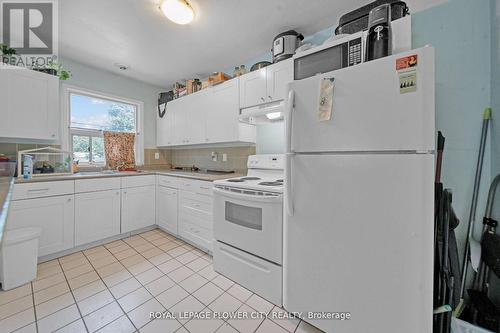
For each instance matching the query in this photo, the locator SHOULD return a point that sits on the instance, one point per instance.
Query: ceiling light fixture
(177, 11)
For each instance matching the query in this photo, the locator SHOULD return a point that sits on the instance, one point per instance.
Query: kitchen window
(91, 114)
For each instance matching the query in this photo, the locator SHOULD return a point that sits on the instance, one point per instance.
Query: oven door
(250, 221)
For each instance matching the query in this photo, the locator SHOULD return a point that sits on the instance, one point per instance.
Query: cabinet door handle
(204, 188)
(69, 199)
(271, 98)
(263, 99)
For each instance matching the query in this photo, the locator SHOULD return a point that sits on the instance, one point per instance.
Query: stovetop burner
(235, 180)
(271, 183)
(250, 178)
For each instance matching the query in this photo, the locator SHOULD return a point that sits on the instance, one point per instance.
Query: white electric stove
(248, 227)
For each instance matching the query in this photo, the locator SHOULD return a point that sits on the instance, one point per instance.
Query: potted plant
(54, 68)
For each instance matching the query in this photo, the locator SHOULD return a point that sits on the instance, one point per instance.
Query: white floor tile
(16, 306)
(95, 302)
(193, 283)
(247, 325)
(17, 321)
(122, 325)
(208, 293)
(89, 290)
(59, 319)
(125, 287)
(259, 304)
(31, 328)
(225, 303)
(160, 259)
(75, 327)
(13, 294)
(239, 292)
(222, 282)
(134, 299)
(208, 272)
(186, 257)
(188, 304)
(226, 328)
(161, 326)
(51, 292)
(103, 316)
(140, 316)
(198, 264)
(204, 325)
(180, 274)
(158, 286)
(172, 296)
(269, 326)
(116, 278)
(169, 266)
(54, 305)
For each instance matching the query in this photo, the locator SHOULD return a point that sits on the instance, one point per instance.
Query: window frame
(68, 131)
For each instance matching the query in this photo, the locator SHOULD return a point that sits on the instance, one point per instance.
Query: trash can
(18, 257)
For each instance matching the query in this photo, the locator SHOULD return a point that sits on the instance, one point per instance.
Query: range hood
(263, 114)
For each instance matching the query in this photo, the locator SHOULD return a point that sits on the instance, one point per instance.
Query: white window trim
(65, 121)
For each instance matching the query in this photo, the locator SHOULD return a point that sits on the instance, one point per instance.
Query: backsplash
(200, 157)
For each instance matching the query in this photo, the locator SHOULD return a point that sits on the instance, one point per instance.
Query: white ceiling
(101, 33)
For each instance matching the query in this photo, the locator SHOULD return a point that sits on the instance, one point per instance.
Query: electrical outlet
(214, 156)
(224, 157)
(157, 156)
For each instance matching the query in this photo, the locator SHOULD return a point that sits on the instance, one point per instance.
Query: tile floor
(114, 287)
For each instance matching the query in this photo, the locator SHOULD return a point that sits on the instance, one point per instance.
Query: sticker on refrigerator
(325, 106)
(406, 62)
(407, 81)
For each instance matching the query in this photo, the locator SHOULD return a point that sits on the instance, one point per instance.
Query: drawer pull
(39, 190)
(204, 188)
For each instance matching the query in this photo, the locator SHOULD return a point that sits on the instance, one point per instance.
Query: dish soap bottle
(243, 70)
(27, 167)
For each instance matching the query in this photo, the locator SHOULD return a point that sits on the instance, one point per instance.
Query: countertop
(5, 194)
(91, 175)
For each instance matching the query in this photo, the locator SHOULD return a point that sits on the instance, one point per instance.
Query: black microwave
(341, 53)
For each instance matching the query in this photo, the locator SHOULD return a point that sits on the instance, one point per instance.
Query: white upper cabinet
(209, 116)
(221, 117)
(30, 104)
(165, 127)
(278, 76)
(253, 89)
(265, 85)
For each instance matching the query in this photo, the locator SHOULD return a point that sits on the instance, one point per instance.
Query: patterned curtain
(119, 150)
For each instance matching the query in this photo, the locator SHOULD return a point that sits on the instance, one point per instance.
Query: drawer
(196, 234)
(260, 276)
(168, 181)
(196, 186)
(136, 181)
(197, 198)
(97, 184)
(195, 205)
(42, 189)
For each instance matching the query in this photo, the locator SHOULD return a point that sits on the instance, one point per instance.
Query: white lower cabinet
(97, 216)
(138, 208)
(166, 208)
(54, 215)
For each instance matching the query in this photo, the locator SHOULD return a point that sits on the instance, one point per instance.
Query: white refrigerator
(359, 201)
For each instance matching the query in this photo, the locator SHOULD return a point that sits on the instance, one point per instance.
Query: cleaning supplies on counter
(27, 167)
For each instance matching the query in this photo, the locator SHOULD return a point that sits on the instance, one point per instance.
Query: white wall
(91, 78)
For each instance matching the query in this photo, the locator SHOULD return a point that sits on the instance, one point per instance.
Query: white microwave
(347, 51)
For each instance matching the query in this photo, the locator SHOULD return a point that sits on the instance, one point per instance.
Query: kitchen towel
(119, 150)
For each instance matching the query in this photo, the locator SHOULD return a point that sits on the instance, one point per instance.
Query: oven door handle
(249, 197)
